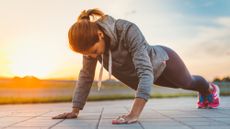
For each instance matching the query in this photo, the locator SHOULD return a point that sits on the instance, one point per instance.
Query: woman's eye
(95, 52)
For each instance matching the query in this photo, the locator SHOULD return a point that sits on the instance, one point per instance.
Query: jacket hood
(107, 24)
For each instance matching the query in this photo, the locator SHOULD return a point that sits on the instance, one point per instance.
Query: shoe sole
(218, 95)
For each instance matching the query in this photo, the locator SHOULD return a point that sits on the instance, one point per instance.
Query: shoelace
(101, 69)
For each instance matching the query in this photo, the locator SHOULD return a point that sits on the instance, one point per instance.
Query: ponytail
(94, 13)
(83, 34)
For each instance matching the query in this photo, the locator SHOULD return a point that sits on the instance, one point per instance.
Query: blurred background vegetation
(30, 89)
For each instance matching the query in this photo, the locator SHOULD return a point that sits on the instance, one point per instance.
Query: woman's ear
(100, 34)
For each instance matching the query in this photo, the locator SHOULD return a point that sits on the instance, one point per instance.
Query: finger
(132, 121)
(122, 116)
(69, 116)
(57, 117)
(60, 116)
(121, 120)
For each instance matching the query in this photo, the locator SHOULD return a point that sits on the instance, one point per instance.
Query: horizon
(49, 79)
(74, 79)
(34, 39)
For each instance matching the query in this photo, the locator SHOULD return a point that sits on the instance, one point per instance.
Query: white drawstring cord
(110, 64)
(100, 74)
(101, 70)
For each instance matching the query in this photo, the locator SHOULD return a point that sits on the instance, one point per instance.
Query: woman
(121, 48)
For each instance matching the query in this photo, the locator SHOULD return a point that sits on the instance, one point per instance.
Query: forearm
(84, 83)
(137, 107)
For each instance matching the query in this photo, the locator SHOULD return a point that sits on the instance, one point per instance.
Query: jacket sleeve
(137, 46)
(84, 83)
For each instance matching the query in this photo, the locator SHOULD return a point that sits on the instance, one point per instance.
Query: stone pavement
(174, 113)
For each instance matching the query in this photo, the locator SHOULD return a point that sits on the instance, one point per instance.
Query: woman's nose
(93, 55)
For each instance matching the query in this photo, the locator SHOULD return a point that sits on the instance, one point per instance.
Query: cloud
(213, 40)
(216, 48)
(224, 21)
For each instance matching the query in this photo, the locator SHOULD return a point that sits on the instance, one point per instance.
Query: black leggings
(176, 75)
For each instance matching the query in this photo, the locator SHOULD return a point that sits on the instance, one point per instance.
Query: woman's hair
(84, 33)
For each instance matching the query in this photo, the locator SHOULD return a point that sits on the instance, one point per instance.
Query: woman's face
(98, 48)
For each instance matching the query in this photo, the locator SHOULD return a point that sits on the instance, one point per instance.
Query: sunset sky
(33, 34)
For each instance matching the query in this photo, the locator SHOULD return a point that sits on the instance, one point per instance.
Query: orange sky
(33, 34)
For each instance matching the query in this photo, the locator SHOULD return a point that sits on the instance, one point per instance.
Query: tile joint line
(99, 120)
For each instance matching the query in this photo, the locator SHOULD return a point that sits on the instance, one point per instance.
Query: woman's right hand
(68, 115)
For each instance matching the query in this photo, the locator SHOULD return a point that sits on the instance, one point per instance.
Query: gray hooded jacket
(134, 61)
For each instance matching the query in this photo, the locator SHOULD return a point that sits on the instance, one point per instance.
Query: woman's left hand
(133, 115)
(125, 119)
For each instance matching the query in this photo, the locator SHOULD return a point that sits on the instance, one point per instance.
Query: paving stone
(113, 109)
(174, 113)
(152, 115)
(26, 127)
(89, 116)
(160, 123)
(69, 123)
(107, 124)
(165, 127)
(39, 121)
(27, 113)
(72, 127)
(215, 115)
(206, 123)
(120, 127)
(7, 121)
(92, 109)
(211, 127)
(186, 119)
(224, 120)
(3, 114)
(111, 115)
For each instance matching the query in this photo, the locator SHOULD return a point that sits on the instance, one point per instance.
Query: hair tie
(85, 17)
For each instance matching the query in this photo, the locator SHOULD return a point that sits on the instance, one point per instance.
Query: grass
(20, 92)
(23, 100)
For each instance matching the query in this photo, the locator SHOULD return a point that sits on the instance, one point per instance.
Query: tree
(216, 79)
(226, 79)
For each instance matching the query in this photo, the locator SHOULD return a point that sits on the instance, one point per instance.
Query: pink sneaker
(202, 101)
(214, 97)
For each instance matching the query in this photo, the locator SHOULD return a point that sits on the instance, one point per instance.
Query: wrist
(75, 110)
(133, 115)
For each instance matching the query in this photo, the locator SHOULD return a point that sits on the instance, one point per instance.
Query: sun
(26, 61)
(24, 67)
